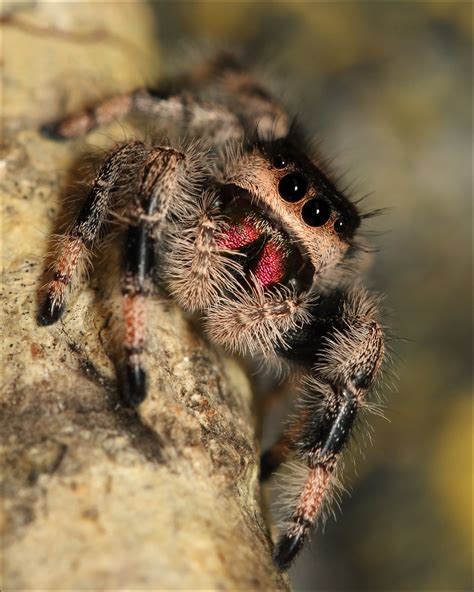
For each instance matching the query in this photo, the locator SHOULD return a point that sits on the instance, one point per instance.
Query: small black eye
(292, 187)
(316, 212)
(339, 226)
(279, 161)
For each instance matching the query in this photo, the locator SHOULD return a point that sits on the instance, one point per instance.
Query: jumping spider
(242, 225)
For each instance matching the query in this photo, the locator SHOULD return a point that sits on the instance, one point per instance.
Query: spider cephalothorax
(247, 230)
(294, 194)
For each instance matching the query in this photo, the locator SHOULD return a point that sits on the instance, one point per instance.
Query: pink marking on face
(271, 265)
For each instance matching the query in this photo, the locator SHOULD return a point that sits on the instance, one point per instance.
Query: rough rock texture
(95, 496)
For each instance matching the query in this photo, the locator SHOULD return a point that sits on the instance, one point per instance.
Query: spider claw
(50, 311)
(286, 550)
(134, 385)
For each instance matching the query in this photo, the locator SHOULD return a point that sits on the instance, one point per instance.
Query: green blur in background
(387, 88)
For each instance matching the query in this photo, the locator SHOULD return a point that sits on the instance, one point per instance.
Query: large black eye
(292, 187)
(316, 212)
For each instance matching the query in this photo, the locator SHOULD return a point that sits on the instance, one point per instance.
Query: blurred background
(387, 88)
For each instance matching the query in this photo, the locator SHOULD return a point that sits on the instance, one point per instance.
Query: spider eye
(339, 226)
(292, 187)
(279, 161)
(316, 212)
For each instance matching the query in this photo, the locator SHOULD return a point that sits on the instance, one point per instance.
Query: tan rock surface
(95, 496)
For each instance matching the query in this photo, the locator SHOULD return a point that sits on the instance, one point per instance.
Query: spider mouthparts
(251, 252)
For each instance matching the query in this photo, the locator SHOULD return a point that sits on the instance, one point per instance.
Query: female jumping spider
(244, 227)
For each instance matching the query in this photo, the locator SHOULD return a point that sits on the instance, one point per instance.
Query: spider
(241, 225)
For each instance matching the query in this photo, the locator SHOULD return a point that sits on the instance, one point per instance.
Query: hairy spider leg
(333, 314)
(147, 213)
(347, 351)
(107, 192)
(335, 427)
(82, 122)
(240, 106)
(192, 115)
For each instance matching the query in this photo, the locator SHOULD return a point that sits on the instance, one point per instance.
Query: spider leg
(148, 212)
(135, 286)
(80, 123)
(193, 115)
(239, 105)
(242, 93)
(321, 452)
(255, 105)
(76, 244)
(347, 346)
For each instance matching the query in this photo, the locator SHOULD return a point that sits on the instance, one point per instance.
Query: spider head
(274, 189)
